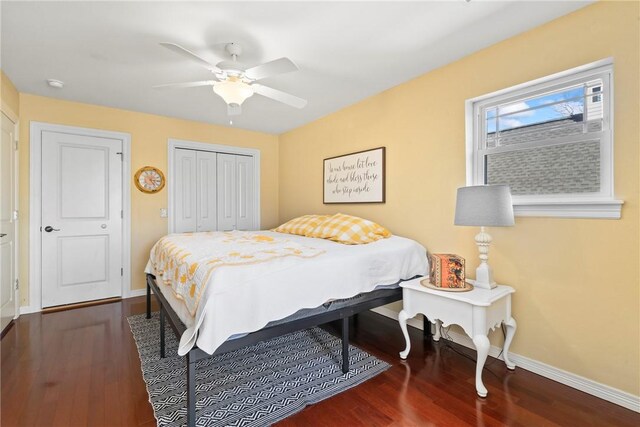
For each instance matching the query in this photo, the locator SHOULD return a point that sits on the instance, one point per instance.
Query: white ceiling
(107, 53)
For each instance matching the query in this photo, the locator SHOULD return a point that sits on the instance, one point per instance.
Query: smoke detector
(55, 83)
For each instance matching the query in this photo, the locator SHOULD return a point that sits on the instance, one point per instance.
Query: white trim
(387, 312)
(133, 293)
(600, 205)
(28, 309)
(16, 204)
(136, 293)
(35, 200)
(172, 144)
(602, 391)
(16, 248)
(470, 153)
(8, 111)
(126, 213)
(519, 88)
(570, 209)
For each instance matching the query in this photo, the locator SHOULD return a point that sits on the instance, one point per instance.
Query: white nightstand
(476, 311)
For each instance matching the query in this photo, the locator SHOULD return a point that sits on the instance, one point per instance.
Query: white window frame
(594, 205)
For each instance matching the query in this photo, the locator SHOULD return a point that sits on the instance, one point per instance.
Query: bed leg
(191, 391)
(162, 333)
(345, 345)
(148, 300)
(426, 327)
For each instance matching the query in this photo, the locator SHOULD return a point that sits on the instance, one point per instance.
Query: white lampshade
(233, 92)
(484, 205)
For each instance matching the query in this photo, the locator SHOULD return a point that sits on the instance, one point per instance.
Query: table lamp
(484, 206)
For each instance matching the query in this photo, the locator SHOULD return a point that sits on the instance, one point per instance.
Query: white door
(7, 223)
(81, 218)
(226, 192)
(194, 204)
(244, 191)
(184, 203)
(206, 187)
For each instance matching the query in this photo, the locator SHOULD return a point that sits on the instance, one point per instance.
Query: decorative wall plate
(149, 179)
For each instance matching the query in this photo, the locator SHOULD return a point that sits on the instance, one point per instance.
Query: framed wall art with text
(355, 178)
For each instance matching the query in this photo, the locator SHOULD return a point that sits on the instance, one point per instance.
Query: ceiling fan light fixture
(234, 83)
(233, 92)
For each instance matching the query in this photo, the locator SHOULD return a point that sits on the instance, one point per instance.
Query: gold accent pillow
(303, 225)
(350, 230)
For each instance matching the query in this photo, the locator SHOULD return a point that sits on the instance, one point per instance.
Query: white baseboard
(27, 309)
(603, 391)
(136, 293)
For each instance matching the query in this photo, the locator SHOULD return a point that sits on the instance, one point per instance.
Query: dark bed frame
(373, 299)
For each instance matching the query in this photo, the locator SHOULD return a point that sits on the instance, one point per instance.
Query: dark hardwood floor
(80, 368)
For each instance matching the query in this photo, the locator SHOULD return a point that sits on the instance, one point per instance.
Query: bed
(221, 291)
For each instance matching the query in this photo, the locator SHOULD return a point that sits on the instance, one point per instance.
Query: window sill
(609, 209)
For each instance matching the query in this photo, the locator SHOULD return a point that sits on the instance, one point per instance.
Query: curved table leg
(402, 319)
(437, 335)
(482, 347)
(511, 330)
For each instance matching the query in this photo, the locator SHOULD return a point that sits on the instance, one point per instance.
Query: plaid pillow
(350, 230)
(303, 225)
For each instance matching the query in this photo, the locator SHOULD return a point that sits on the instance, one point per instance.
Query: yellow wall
(149, 134)
(9, 97)
(577, 281)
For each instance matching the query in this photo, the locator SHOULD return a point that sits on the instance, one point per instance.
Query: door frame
(35, 205)
(16, 224)
(173, 144)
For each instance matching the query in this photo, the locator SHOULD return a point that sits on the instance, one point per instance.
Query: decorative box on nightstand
(476, 311)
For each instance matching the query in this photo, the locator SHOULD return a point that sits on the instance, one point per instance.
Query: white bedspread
(243, 299)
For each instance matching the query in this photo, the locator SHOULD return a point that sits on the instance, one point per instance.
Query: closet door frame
(174, 144)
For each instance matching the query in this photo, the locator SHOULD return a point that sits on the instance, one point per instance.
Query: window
(596, 98)
(551, 141)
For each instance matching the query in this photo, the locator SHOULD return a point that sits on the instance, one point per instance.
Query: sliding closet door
(244, 193)
(226, 192)
(184, 206)
(206, 191)
(213, 191)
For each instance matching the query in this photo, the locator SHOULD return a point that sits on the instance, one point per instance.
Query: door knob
(49, 229)
(2, 234)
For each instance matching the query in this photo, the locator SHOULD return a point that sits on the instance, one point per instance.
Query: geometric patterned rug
(252, 386)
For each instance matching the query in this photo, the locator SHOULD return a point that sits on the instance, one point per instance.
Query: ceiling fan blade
(234, 110)
(279, 95)
(271, 68)
(186, 84)
(188, 54)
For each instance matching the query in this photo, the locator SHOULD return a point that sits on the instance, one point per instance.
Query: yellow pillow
(303, 225)
(350, 230)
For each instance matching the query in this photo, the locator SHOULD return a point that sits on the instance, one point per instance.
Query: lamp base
(484, 273)
(476, 285)
(483, 285)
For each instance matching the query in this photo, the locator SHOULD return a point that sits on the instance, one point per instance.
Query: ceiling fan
(233, 83)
